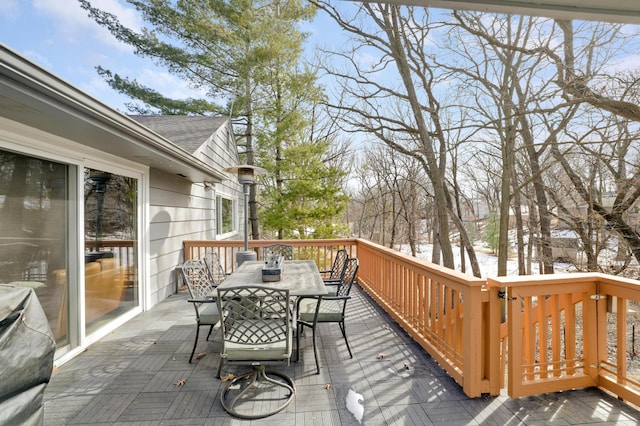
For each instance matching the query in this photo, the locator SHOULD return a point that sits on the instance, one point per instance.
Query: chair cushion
(332, 290)
(256, 351)
(209, 314)
(329, 311)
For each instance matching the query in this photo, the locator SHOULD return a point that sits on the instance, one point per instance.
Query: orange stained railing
(535, 334)
(441, 309)
(572, 331)
(322, 251)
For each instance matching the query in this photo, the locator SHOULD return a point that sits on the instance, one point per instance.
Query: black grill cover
(27, 348)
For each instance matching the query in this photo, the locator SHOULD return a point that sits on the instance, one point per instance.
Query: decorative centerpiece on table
(273, 267)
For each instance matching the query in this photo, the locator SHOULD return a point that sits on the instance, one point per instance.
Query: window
(226, 218)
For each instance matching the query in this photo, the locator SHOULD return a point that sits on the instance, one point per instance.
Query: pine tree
(244, 54)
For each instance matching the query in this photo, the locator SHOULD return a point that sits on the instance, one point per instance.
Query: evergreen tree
(306, 198)
(246, 54)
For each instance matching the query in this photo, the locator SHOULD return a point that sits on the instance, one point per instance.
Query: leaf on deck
(228, 377)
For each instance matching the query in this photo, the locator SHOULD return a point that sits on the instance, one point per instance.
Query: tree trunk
(517, 210)
(436, 175)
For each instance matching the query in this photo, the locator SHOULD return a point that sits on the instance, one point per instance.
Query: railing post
(472, 358)
(492, 348)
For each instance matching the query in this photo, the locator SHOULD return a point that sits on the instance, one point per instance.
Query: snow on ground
(488, 262)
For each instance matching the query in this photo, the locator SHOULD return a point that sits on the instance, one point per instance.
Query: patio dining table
(300, 277)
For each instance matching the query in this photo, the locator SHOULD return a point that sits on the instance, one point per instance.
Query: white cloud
(630, 63)
(9, 9)
(168, 84)
(74, 24)
(97, 87)
(39, 59)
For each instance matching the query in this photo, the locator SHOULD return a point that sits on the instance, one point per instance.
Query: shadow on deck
(133, 375)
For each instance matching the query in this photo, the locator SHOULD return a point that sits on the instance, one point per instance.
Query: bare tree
(613, 147)
(410, 123)
(502, 75)
(480, 102)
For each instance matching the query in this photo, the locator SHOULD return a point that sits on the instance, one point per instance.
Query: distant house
(94, 205)
(565, 248)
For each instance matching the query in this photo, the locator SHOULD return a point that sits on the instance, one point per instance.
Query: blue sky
(58, 36)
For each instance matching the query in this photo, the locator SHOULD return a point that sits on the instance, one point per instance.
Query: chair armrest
(320, 300)
(207, 300)
(332, 286)
(299, 298)
(323, 298)
(336, 297)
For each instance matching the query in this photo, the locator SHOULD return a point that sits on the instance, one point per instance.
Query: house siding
(181, 210)
(177, 211)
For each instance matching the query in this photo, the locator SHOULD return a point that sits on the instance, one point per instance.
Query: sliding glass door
(34, 232)
(110, 234)
(40, 247)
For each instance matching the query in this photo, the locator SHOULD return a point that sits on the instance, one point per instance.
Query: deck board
(130, 377)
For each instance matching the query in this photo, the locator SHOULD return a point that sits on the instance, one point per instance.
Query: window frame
(220, 231)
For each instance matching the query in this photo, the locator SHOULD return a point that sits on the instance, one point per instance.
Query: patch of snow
(488, 262)
(354, 405)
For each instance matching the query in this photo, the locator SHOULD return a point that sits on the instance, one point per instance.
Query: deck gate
(552, 338)
(567, 332)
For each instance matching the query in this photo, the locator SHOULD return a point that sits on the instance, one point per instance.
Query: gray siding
(182, 210)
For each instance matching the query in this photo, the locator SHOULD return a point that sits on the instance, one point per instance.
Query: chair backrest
(254, 316)
(214, 265)
(339, 263)
(348, 277)
(285, 250)
(196, 276)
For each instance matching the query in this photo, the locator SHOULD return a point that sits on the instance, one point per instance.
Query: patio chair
(284, 250)
(214, 266)
(256, 331)
(202, 293)
(333, 276)
(327, 309)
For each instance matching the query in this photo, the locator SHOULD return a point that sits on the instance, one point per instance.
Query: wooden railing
(561, 331)
(441, 309)
(322, 251)
(570, 331)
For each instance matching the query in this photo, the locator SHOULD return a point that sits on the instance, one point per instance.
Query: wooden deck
(133, 377)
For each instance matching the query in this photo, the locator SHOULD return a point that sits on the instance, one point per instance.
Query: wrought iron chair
(339, 261)
(333, 276)
(284, 250)
(256, 331)
(202, 291)
(214, 266)
(326, 309)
